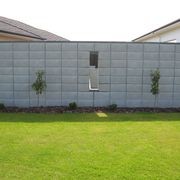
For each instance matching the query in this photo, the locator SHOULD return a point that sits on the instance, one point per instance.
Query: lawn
(85, 146)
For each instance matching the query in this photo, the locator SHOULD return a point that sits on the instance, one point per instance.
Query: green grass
(84, 146)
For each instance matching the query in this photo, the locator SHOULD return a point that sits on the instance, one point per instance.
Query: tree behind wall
(39, 85)
(155, 77)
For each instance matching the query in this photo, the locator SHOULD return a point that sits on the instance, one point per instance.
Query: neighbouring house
(167, 33)
(12, 30)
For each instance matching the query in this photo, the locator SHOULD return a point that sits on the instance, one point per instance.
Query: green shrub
(112, 107)
(2, 106)
(72, 105)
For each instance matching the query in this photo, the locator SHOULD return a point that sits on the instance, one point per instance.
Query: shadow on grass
(87, 117)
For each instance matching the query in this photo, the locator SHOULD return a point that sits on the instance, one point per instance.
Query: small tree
(155, 77)
(39, 85)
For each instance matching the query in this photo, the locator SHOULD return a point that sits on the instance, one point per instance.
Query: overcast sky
(93, 20)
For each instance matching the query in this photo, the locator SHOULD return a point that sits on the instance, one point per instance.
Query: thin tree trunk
(38, 100)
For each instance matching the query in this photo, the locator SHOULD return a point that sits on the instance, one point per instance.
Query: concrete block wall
(124, 73)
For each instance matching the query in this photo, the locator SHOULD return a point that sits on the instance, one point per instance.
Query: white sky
(93, 20)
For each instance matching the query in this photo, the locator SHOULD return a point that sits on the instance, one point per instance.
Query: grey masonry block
(69, 63)
(134, 80)
(56, 87)
(34, 46)
(53, 71)
(119, 47)
(177, 72)
(177, 64)
(21, 103)
(134, 72)
(83, 79)
(83, 87)
(69, 46)
(177, 48)
(69, 54)
(102, 47)
(6, 95)
(8, 102)
(118, 80)
(6, 46)
(85, 103)
(176, 103)
(53, 46)
(118, 72)
(21, 54)
(167, 48)
(85, 96)
(151, 47)
(104, 79)
(135, 47)
(83, 55)
(147, 103)
(146, 80)
(118, 55)
(165, 103)
(134, 88)
(101, 99)
(147, 96)
(151, 56)
(135, 64)
(165, 96)
(6, 78)
(104, 71)
(177, 88)
(21, 79)
(21, 46)
(21, 63)
(53, 63)
(69, 95)
(119, 63)
(6, 54)
(21, 87)
(21, 71)
(38, 63)
(167, 56)
(6, 70)
(151, 64)
(104, 87)
(69, 79)
(85, 46)
(53, 95)
(133, 103)
(69, 87)
(166, 88)
(177, 56)
(6, 87)
(104, 55)
(134, 95)
(83, 71)
(177, 80)
(135, 56)
(119, 96)
(53, 55)
(83, 63)
(104, 64)
(6, 63)
(53, 79)
(21, 95)
(147, 88)
(53, 102)
(118, 87)
(37, 55)
(166, 80)
(69, 71)
(167, 72)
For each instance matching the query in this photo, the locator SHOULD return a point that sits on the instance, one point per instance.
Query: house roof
(158, 29)
(11, 26)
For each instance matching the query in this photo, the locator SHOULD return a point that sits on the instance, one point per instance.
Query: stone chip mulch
(62, 109)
